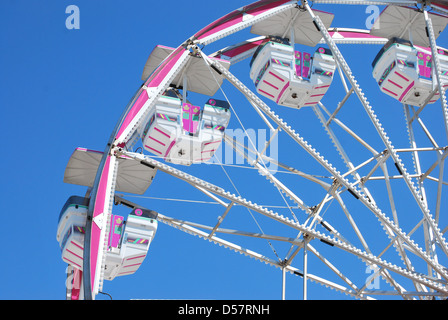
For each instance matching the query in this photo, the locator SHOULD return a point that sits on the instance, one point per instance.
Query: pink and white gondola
(292, 78)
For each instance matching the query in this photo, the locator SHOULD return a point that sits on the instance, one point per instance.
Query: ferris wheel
(357, 170)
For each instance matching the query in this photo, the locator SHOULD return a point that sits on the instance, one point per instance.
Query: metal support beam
(283, 283)
(340, 104)
(305, 267)
(305, 145)
(221, 219)
(370, 112)
(437, 70)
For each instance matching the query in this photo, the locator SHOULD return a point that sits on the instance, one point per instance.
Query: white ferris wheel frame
(103, 191)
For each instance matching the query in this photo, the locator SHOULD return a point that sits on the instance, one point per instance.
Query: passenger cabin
(128, 240)
(183, 133)
(404, 72)
(291, 78)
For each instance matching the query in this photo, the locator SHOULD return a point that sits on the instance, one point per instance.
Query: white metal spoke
(305, 145)
(379, 128)
(306, 230)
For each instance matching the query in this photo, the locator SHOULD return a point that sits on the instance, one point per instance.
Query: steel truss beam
(310, 232)
(305, 145)
(347, 71)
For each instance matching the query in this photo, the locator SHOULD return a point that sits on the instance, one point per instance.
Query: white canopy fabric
(155, 58)
(305, 32)
(200, 78)
(132, 176)
(408, 24)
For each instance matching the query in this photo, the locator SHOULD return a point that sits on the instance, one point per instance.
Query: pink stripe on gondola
(390, 92)
(266, 93)
(142, 256)
(160, 131)
(77, 245)
(400, 75)
(75, 264)
(217, 141)
(273, 74)
(169, 147)
(156, 151)
(157, 141)
(406, 91)
(270, 84)
(132, 265)
(283, 90)
(394, 83)
(321, 87)
(76, 255)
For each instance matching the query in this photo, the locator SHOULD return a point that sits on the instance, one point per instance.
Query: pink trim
(213, 150)
(258, 8)
(317, 95)
(77, 245)
(243, 48)
(283, 90)
(77, 256)
(153, 81)
(236, 16)
(390, 92)
(401, 76)
(73, 263)
(406, 91)
(270, 84)
(266, 93)
(310, 103)
(226, 21)
(157, 129)
(273, 74)
(132, 265)
(153, 149)
(157, 141)
(439, 4)
(217, 141)
(394, 83)
(114, 238)
(141, 100)
(142, 256)
(169, 147)
(100, 203)
(326, 86)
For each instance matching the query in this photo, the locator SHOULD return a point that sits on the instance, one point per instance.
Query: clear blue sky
(61, 89)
